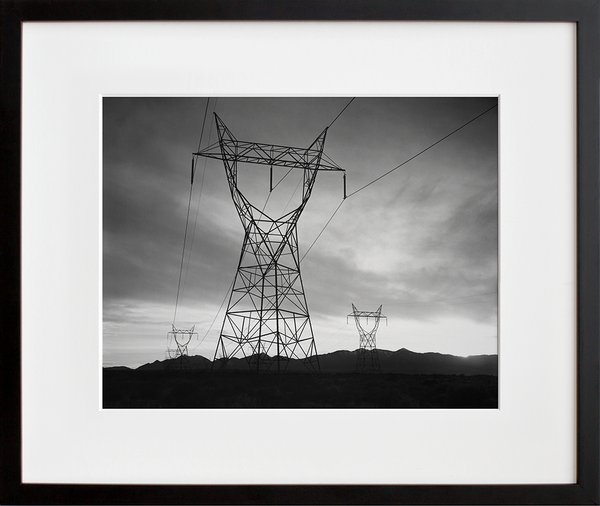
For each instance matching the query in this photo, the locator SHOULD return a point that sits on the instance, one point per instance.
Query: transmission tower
(179, 355)
(267, 320)
(367, 359)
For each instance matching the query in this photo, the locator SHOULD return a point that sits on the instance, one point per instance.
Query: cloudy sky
(421, 241)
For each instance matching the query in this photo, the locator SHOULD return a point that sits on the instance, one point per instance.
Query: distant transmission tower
(367, 359)
(179, 355)
(267, 320)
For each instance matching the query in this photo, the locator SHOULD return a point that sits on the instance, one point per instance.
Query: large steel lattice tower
(367, 359)
(267, 320)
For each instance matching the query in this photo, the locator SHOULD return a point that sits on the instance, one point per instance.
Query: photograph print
(300, 252)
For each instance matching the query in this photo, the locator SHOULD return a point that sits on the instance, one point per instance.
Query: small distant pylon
(367, 359)
(179, 356)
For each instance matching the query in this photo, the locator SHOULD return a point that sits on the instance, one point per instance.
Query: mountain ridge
(402, 361)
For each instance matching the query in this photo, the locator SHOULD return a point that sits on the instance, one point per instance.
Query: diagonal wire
(204, 122)
(317, 238)
(187, 219)
(341, 112)
(198, 206)
(293, 193)
(219, 310)
(183, 254)
(423, 151)
(286, 174)
(392, 170)
(290, 170)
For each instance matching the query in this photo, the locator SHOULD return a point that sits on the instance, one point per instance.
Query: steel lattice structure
(182, 339)
(367, 359)
(267, 319)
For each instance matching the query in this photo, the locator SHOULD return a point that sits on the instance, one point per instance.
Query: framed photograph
(303, 252)
(282, 307)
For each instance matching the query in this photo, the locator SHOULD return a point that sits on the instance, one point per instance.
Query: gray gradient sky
(422, 241)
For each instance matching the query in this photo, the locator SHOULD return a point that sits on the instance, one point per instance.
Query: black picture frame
(585, 13)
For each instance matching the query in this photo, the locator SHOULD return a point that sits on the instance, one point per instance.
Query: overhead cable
(424, 150)
(341, 112)
(187, 219)
(397, 167)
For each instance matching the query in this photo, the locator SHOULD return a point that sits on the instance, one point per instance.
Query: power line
(351, 336)
(423, 151)
(285, 175)
(340, 205)
(294, 193)
(290, 170)
(198, 206)
(219, 310)
(317, 238)
(183, 251)
(203, 123)
(341, 112)
(187, 219)
(331, 335)
(276, 185)
(397, 167)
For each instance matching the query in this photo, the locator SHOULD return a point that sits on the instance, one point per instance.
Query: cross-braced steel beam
(367, 359)
(267, 320)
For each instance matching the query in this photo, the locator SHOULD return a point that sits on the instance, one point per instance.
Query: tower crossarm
(269, 154)
(367, 314)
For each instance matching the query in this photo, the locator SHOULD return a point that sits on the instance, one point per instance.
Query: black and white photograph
(372, 222)
(300, 252)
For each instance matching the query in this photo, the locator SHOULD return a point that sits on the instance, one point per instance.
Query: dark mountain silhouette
(409, 362)
(402, 361)
(405, 361)
(193, 362)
